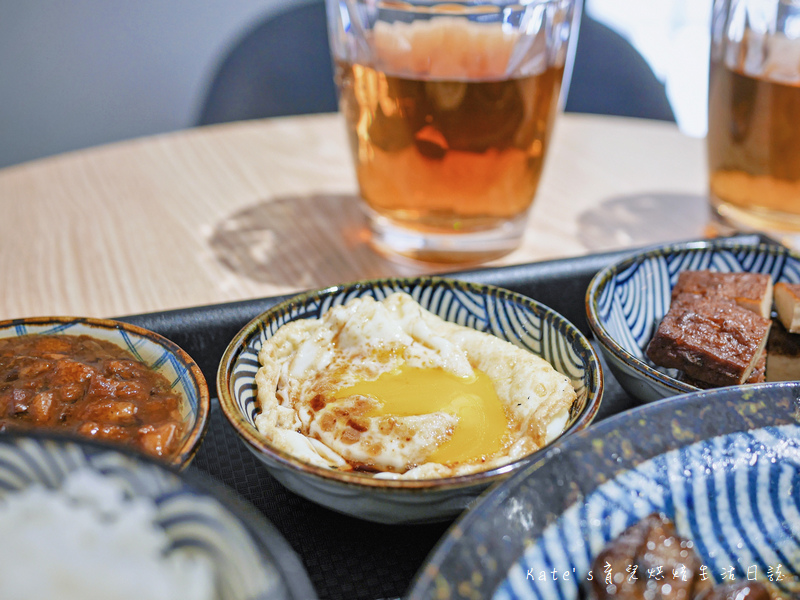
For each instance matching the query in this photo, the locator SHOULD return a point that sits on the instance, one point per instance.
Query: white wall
(674, 37)
(85, 72)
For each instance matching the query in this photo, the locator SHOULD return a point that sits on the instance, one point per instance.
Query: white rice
(90, 542)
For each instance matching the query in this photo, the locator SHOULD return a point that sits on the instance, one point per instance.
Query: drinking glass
(754, 115)
(449, 110)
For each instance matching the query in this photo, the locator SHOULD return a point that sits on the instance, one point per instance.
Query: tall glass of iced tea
(449, 108)
(754, 116)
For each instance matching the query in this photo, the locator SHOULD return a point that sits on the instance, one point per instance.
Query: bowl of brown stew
(103, 380)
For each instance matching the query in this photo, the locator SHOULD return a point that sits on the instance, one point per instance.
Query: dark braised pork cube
(617, 560)
(743, 590)
(752, 291)
(647, 561)
(667, 563)
(50, 345)
(158, 440)
(710, 338)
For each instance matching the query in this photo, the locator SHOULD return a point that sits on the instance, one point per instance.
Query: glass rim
(457, 7)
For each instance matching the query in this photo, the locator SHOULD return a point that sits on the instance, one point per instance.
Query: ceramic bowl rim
(187, 450)
(278, 458)
(602, 278)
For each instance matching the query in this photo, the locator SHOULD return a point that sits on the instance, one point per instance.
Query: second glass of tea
(449, 110)
(754, 117)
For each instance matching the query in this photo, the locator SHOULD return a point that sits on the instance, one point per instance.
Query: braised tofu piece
(787, 303)
(759, 374)
(753, 291)
(710, 338)
(783, 354)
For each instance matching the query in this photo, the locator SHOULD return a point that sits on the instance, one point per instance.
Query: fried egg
(389, 388)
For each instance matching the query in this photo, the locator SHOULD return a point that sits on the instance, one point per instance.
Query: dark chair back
(610, 77)
(283, 67)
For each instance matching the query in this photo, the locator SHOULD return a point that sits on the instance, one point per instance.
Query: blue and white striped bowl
(626, 301)
(155, 351)
(723, 464)
(249, 558)
(510, 316)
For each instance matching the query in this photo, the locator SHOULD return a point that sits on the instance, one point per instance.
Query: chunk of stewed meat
(650, 561)
(744, 590)
(88, 386)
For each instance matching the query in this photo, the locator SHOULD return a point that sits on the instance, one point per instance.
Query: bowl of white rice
(85, 521)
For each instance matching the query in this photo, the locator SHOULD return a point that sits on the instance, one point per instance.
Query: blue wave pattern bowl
(723, 464)
(155, 351)
(509, 316)
(626, 301)
(754, 526)
(249, 558)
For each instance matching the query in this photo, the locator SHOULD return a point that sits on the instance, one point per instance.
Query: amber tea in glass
(449, 110)
(753, 114)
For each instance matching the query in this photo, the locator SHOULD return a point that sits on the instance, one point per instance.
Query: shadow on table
(643, 219)
(265, 243)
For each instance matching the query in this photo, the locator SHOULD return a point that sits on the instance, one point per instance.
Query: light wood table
(260, 208)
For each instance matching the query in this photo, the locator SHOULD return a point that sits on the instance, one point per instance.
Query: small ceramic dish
(149, 348)
(130, 526)
(626, 301)
(507, 315)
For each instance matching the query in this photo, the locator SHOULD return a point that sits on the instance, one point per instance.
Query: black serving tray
(346, 558)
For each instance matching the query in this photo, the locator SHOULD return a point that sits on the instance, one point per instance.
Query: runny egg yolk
(482, 428)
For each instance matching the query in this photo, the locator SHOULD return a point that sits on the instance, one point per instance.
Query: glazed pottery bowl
(626, 301)
(74, 511)
(721, 464)
(507, 315)
(149, 348)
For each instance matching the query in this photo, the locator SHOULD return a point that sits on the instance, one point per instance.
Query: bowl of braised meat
(694, 497)
(103, 380)
(698, 315)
